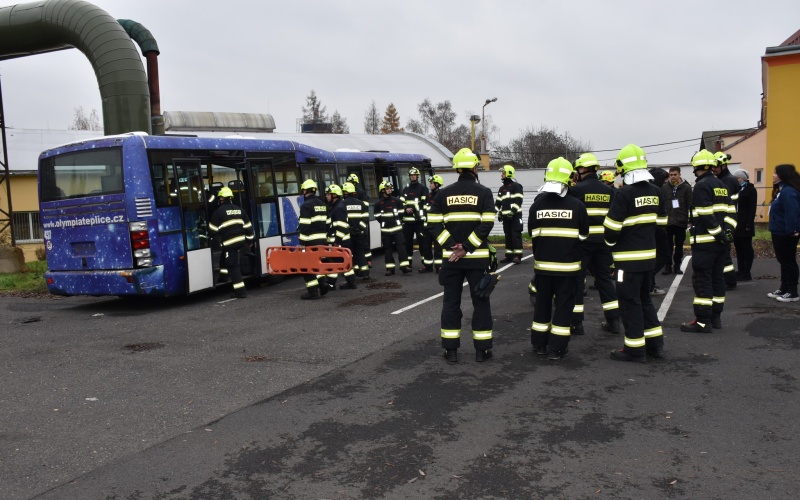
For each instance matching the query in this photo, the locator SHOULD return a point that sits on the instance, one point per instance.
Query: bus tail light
(140, 244)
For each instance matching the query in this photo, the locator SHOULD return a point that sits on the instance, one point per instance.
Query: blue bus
(128, 215)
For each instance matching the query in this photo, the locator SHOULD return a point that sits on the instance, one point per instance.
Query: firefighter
(362, 195)
(557, 224)
(435, 183)
(722, 173)
(596, 256)
(460, 219)
(358, 218)
(709, 237)
(338, 233)
(630, 229)
(509, 211)
(608, 177)
(413, 198)
(387, 211)
(313, 229)
(234, 229)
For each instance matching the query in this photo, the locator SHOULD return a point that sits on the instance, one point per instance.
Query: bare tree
(339, 124)
(314, 111)
(535, 148)
(83, 122)
(391, 120)
(440, 119)
(372, 120)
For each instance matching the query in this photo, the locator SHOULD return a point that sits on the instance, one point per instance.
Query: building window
(27, 228)
(759, 175)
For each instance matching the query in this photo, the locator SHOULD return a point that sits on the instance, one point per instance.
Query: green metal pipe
(39, 27)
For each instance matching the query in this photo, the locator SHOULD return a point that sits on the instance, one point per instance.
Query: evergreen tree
(339, 124)
(372, 120)
(314, 111)
(391, 120)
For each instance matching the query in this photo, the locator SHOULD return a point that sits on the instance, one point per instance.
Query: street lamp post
(483, 127)
(473, 120)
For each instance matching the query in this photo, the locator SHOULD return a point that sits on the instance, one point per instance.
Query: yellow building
(781, 103)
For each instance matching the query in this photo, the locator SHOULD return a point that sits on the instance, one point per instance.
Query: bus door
(190, 190)
(266, 215)
(241, 189)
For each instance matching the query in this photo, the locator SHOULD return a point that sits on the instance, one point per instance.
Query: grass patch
(30, 281)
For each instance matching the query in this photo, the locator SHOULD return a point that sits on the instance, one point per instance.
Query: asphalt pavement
(349, 397)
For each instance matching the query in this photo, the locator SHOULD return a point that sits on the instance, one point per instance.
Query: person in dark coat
(678, 194)
(784, 224)
(745, 226)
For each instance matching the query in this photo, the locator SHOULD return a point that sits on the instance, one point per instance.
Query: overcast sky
(608, 72)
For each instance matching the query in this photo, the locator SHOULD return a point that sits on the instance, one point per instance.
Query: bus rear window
(78, 175)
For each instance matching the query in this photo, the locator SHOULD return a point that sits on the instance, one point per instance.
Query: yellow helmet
(225, 192)
(384, 185)
(438, 180)
(465, 158)
(348, 187)
(509, 170)
(334, 190)
(587, 160)
(703, 160)
(352, 178)
(559, 170)
(631, 157)
(722, 158)
(413, 171)
(607, 176)
(309, 184)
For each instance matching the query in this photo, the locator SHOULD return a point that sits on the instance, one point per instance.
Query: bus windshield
(81, 174)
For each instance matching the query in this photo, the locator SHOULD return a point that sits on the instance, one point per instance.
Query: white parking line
(673, 288)
(428, 299)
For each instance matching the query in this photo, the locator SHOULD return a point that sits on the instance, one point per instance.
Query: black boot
(716, 321)
(611, 326)
(696, 327)
(576, 328)
(349, 285)
(451, 355)
(667, 270)
(623, 355)
(483, 355)
(311, 293)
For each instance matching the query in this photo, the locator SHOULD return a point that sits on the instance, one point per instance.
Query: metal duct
(39, 27)
(149, 47)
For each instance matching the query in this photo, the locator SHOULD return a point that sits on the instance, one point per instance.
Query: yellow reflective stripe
(238, 285)
(443, 237)
(596, 230)
(608, 306)
(735, 197)
(312, 283)
(231, 241)
(703, 238)
(463, 216)
(715, 231)
(481, 334)
(612, 224)
(662, 221)
(703, 211)
(474, 239)
(315, 236)
(391, 229)
(480, 253)
(563, 232)
(437, 218)
(540, 327)
(718, 300)
(487, 216)
(640, 219)
(653, 332)
(450, 334)
(535, 233)
(232, 222)
(597, 211)
(721, 207)
(578, 308)
(634, 255)
(731, 222)
(728, 268)
(702, 301)
(582, 237)
(635, 342)
(557, 266)
(562, 331)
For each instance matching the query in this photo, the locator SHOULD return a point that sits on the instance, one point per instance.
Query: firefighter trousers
(453, 282)
(708, 281)
(596, 259)
(550, 327)
(389, 239)
(639, 318)
(512, 229)
(416, 230)
(233, 268)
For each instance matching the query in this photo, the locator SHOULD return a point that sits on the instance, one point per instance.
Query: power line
(611, 150)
